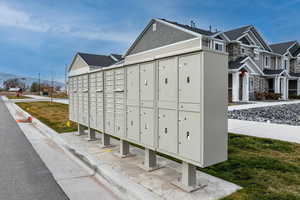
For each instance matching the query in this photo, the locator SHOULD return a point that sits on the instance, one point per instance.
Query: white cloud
(12, 17)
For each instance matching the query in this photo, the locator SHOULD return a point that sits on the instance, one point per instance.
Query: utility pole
(39, 84)
(52, 88)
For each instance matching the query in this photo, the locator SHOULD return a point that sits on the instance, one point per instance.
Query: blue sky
(43, 36)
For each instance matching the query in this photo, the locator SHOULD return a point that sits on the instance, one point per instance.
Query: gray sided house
(256, 66)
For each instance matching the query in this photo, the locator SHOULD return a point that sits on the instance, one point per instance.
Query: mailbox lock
(146, 126)
(131, 122)
(166, 80)
(146, 83)
(188, 80)
(188, 135)
(166, 130)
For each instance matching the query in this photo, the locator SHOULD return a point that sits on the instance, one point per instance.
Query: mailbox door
(147, 126)
(133, 85)
(119, 80)
(92, 101)
(167, 126)
(189, 135)
(133, 128)
(167, 80)
(99, 81)
(109, 122)
(147, 81)
(99, 98)
(189, 78)
(85, 108)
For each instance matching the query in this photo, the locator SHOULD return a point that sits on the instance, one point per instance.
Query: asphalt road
(23, 175)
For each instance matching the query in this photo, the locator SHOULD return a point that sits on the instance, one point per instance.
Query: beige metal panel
(85, 108)
(214, 108)
(147, 81)
(167, 83)
(92, 101)
(119, 125)
(99, 111)
(71, 99)
(168, 130)
(196, 107)
(109, 122)
(167, 51)
(133, 123)
(147, 127)
(132, 85)
(189, 78)
(190, 135)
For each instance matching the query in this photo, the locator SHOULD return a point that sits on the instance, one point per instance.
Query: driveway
(23, 174)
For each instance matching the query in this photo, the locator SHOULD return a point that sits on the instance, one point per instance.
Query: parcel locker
(147, 127)
(167, 130)
(147, 79)
(167, 83)
(109, 102)
(189, 135)
(133, 85)
(190, 78)
(133, 123)
(109, 122)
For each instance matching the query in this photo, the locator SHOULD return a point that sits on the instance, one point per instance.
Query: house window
(298, 60)
(256, 54)
(218, 46)
(243, 50)
(267, 61)
(251, 84)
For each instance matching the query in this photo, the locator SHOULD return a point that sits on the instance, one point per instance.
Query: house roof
(117, 56)
(97, 60)
(237, 32)
(295, 74)
(190, 28)
(236, 64)
(296, 52)
(273, 71)
(281, 48)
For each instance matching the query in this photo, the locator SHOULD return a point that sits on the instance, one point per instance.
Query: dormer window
(219, 46)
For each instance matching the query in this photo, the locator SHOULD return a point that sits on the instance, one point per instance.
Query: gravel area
(283, 114)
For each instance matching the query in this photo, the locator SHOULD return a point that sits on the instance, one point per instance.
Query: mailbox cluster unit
(172, 101)
(161, 105)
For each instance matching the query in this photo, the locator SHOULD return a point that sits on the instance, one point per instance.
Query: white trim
(261, 38)
(254, 63)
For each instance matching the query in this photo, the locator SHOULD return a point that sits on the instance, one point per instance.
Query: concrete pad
(158, 181)
(265, 130)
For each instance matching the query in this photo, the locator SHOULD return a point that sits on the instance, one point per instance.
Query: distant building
(14, 89)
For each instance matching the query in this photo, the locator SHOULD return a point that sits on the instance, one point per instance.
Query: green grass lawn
(266, 169)
(54, 115)
(15, 97)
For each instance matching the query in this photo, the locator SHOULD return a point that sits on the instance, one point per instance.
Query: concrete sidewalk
(126, 177)
(76, 180)
(265, 130)
(258, 104)
(42, 98)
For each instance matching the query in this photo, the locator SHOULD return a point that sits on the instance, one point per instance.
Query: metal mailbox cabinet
(119, 86)
(147, 97)
(99, 102)
(109, 102)
(74, 106)
(132, 82)
(133, 123)
(85, 99)
(80, 99)
(71, 99)
(92, 101)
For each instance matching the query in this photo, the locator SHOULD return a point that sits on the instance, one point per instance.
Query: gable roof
(296, 52)
(281, 48)
(236, 64)
(190, 28)
(97, 60)
(237, 32)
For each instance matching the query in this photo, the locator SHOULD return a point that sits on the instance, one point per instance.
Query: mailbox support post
(150, 163)
(92, 135)
(80, 130)
(105, 141)
(188, 181)
(124, 149)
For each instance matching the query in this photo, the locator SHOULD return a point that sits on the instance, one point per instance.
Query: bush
(267, 96)
(294, 96)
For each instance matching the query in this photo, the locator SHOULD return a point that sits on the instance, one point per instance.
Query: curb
(124, 189)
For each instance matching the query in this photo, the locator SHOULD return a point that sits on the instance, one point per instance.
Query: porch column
(246, 87)
(277, 85)
(298, 86)
(284, 88)
(235, 86)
